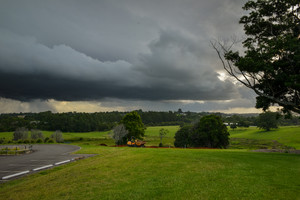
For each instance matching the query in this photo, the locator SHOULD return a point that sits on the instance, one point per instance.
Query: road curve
(43, 155)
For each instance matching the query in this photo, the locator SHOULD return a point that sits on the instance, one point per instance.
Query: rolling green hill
(287, 135)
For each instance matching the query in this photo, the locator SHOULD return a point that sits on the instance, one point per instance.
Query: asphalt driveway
(43, 157)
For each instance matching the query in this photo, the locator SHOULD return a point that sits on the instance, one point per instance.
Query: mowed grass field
(152, 135)
(288, 135)
(145, 173)
(66, 135)
(285, 135)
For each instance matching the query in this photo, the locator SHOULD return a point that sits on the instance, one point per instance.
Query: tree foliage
(134, 125)
(182, 136)
(162, 133)
(20, 134)
(270, 65)
(119, 134)
(233, 126)
(36, 134)
(267, 120)
(105, 121)
(208, 132)
(57, 136)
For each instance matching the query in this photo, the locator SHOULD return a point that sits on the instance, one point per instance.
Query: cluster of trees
(210, 132)
(130, 126)
(268, 120)
(246, 121)
(85, 122)
(66, 122)
(22, 134)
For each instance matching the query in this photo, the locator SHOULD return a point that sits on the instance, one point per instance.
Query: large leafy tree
(182, 136)
(270, 64)
(210, 132)
(134, 125)
(267, 120)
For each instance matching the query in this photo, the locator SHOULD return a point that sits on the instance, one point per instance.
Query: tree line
(85, 122)
(103, 121)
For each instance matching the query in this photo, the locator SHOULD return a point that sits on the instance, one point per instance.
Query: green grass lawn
(145, 173)
(245, 138)
(152, 135)
(141, 173)
(66, 135)
(7, 135)
(287, 135)
(154, 130)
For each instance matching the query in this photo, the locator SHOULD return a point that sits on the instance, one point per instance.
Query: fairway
(135, 173)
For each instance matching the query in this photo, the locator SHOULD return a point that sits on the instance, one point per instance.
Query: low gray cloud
(128, 50)
(172, 70)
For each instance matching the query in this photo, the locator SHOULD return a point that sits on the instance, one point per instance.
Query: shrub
(2, 140)
(57, 136)
(20, 141)
(20, 133)
(51, 141)
(39, 140)
(46, 139)
(36, 134)
(119, 134)
(26, 141)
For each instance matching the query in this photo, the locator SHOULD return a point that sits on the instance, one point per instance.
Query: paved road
(44, 154)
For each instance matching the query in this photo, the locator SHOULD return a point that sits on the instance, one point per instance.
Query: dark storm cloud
(171, 71)
(91, 50)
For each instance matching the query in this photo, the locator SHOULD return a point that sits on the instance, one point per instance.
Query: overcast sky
(97, 55)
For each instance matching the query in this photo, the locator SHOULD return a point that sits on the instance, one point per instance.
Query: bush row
(27, 141)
